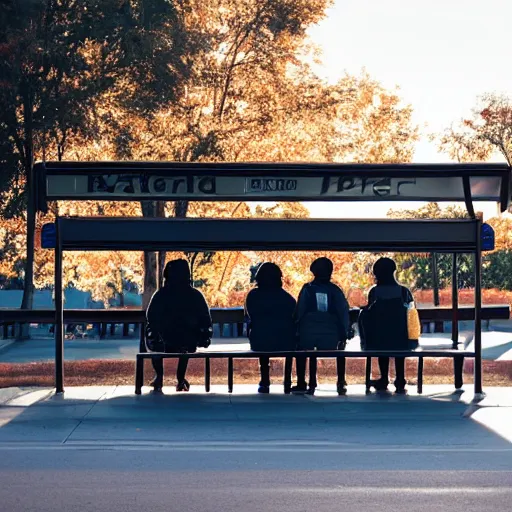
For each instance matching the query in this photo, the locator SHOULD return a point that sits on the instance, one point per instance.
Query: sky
(442, 54)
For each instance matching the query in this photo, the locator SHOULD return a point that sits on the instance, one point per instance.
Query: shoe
(310, 391)
(264, 389)
(342, 390)
(183, 385)
(401, 391)
(379, 385)
(157, 384)
(299, 390)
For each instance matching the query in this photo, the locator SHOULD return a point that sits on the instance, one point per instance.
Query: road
(103, 449)
(232, 481)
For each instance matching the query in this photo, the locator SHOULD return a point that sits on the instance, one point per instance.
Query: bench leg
(368, 373)
(288, 363)
(458, 366)
(207, 374)
(126, 330)
(230, 375)
(420, 375)
(139, 375)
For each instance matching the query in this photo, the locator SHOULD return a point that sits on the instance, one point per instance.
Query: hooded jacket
(178, 312)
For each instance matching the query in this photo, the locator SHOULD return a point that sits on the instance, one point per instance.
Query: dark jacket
(389, 291)
(383, 323)
(322, 316)
(179, 314)
(270, 319)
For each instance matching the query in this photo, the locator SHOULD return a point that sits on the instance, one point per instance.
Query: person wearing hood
(323, 324)
(269, 312)
(179, 317)
(392, 334)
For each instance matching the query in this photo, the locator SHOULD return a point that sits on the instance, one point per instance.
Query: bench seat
(208, 354)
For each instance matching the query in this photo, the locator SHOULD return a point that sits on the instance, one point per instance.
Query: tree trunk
(153, 265)
(27, 301)
(150, 263)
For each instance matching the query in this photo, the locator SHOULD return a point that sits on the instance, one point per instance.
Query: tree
(488, 131)
(56, 58)
(430, 211)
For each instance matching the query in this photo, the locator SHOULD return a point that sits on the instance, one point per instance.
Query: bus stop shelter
(171, 181)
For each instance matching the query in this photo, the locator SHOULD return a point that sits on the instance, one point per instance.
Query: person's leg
(382, 383)
(400, 381)
(313, 365)
(342, 383)
(158, 366)
(265, 374)
(300, 365)
(181, 371)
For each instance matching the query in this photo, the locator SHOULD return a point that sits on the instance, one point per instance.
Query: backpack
(383, 325)
(318, 328)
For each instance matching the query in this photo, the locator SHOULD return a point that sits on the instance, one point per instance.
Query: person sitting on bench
(270, 323)
(179, 321)
(384, 322)
(323, 324)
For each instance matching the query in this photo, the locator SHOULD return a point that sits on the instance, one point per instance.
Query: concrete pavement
(103, 448)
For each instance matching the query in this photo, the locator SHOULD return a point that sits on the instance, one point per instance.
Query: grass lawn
(112, 372)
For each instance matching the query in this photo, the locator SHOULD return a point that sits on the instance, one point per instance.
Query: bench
(221, 316)
(115, 316)
(457, 355)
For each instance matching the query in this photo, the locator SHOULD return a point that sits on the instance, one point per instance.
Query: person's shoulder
(198, 294)
(288, 295)
(407, 292)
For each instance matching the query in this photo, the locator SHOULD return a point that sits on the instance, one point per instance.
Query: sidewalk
(497, 346)
(113, 416)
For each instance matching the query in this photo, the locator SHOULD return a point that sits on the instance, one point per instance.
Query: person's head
(177, 272)
(269, 275)
(384, 271)
(322, 269)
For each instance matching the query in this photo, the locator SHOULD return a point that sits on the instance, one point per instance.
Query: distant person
(383, 324)
(271, 326)
(178, 321)
(323, 324)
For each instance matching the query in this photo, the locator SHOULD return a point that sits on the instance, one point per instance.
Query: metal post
(207, 374)
(420, 375)
(455, 302)
(478, 309)
(230, 375)
(59, 314)
(368, 377)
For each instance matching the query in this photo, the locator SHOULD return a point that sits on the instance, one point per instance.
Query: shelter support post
(455, 302)
(59, 315)
(458, 362)
(478, 310)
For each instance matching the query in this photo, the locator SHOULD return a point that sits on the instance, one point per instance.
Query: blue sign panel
(487, 238)
(48, 236)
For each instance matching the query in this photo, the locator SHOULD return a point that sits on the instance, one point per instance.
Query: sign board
(488, 242)
(49, 236)
(140, 186)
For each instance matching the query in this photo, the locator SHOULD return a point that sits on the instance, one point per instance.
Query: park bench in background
(233, 317)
